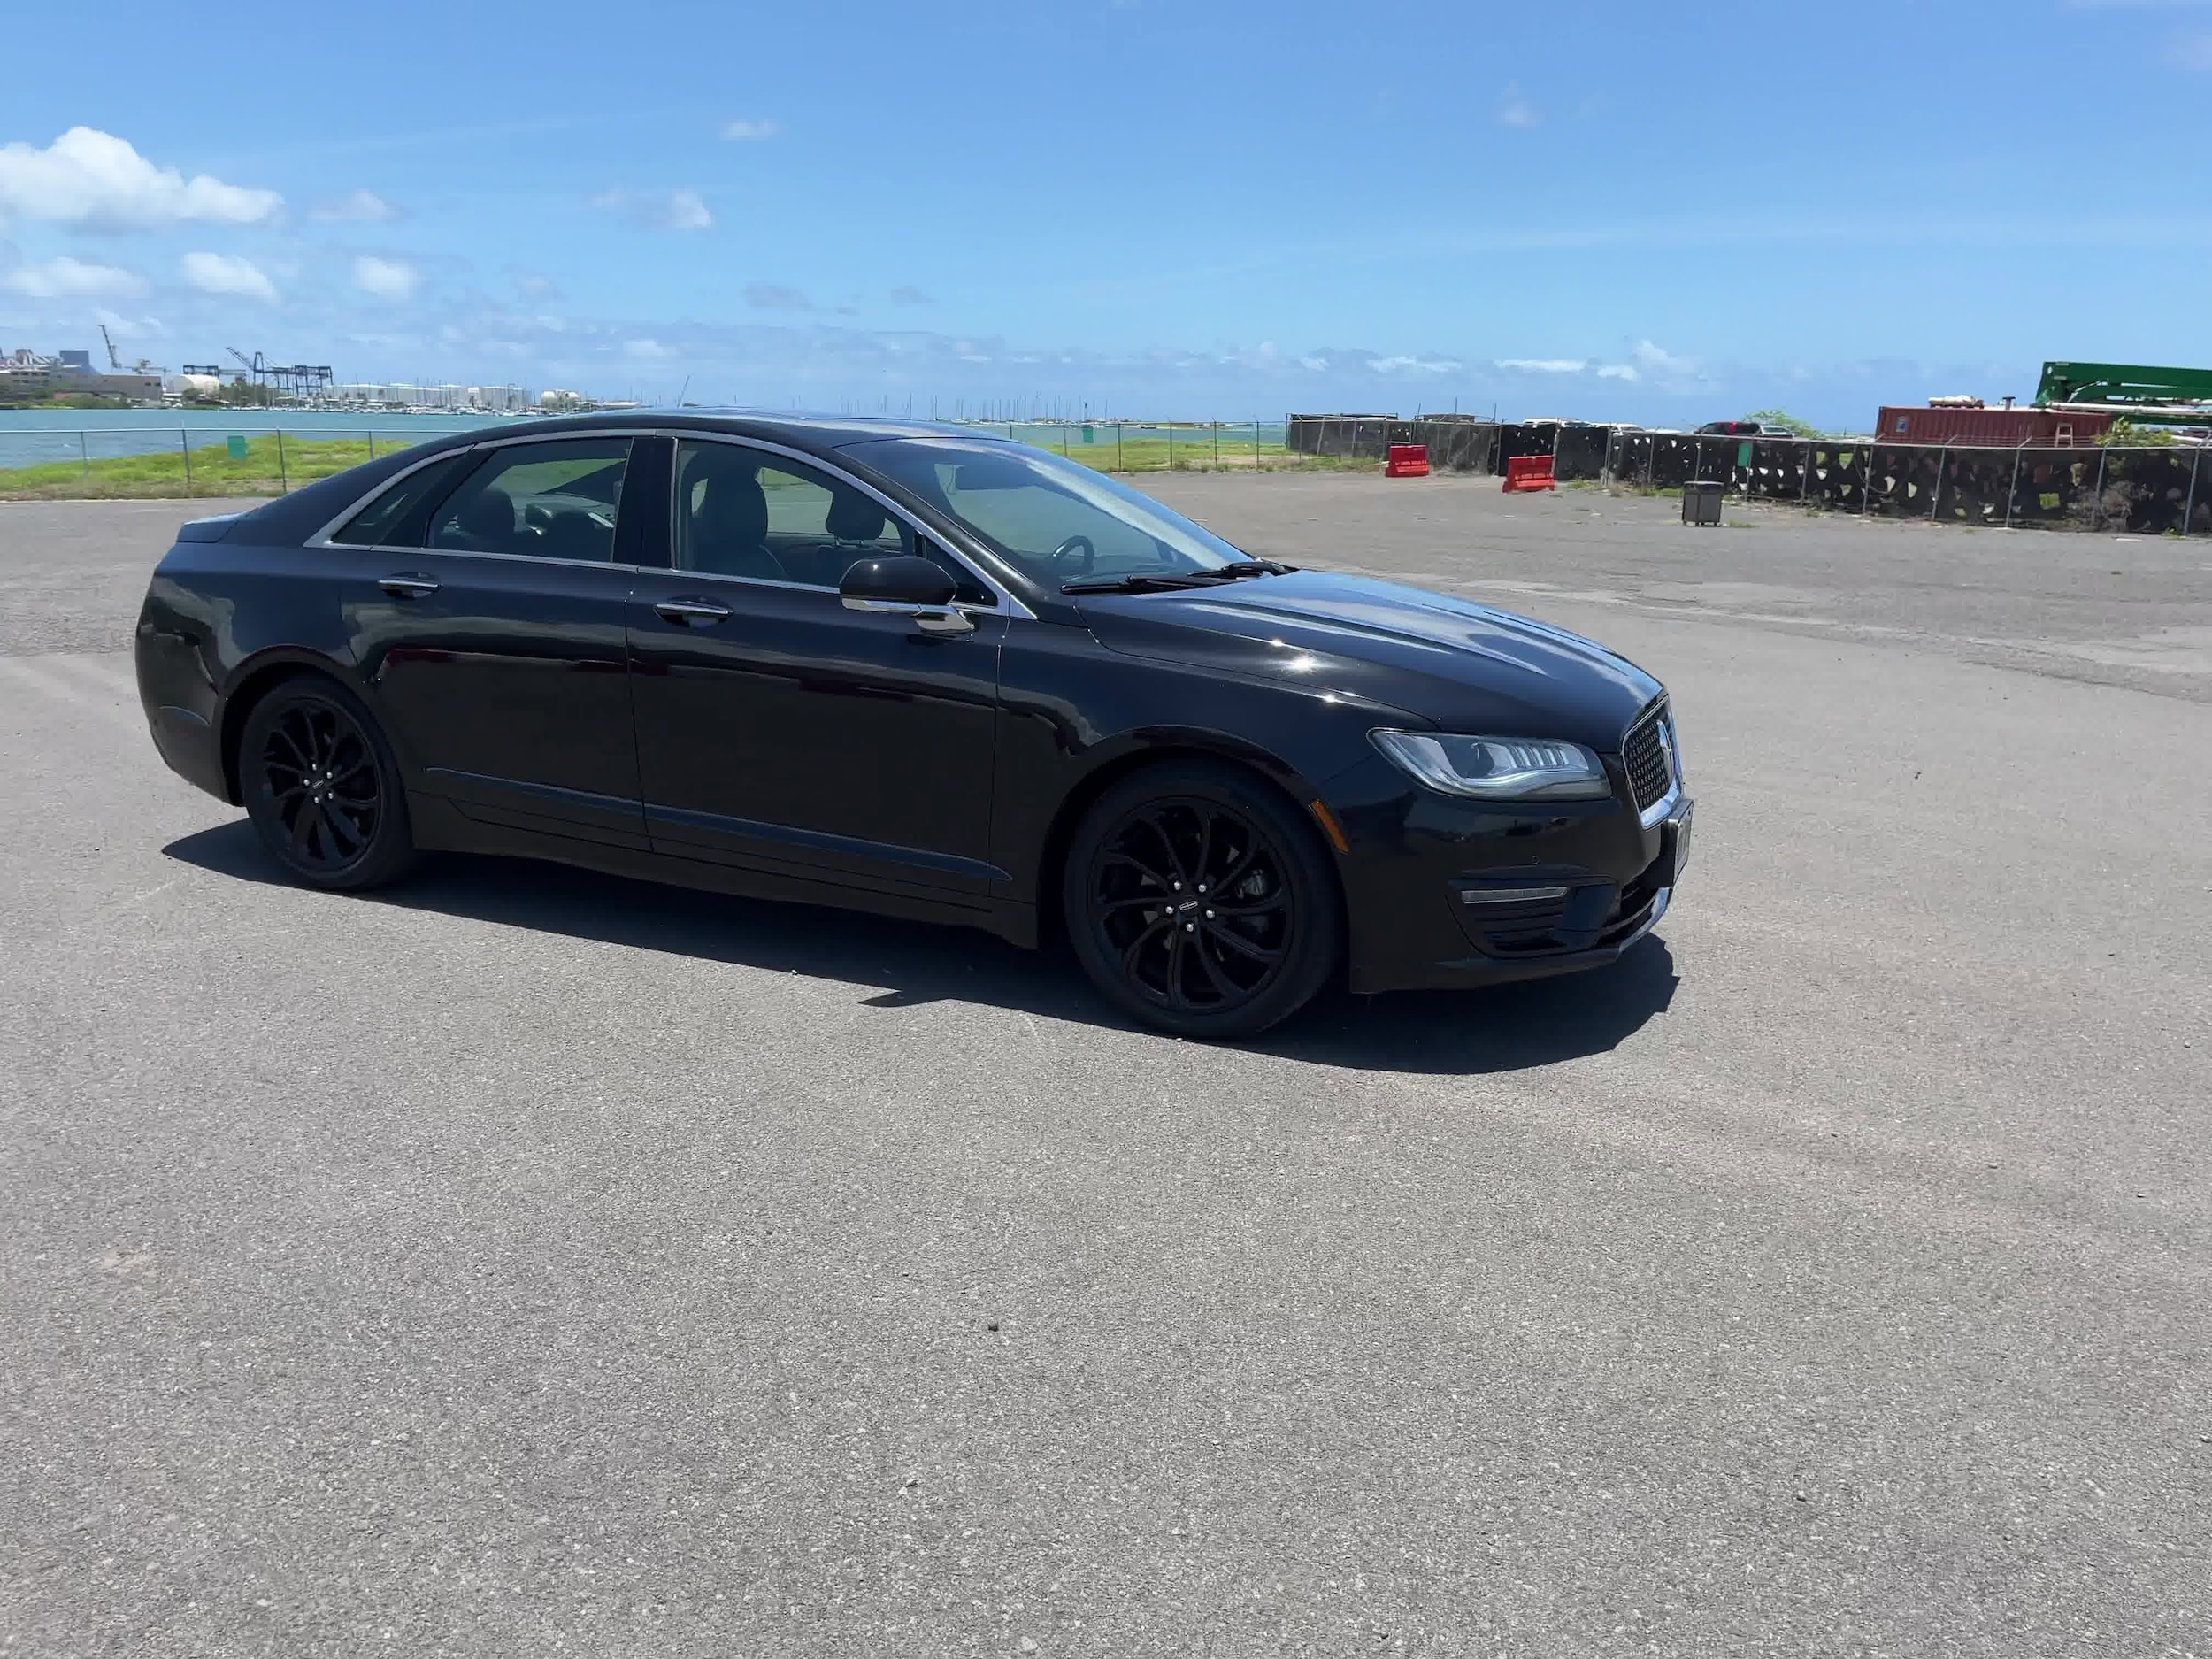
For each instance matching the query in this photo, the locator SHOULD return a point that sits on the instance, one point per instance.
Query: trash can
(1701, 501)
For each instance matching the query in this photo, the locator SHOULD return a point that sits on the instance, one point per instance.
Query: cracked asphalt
(522, 1262)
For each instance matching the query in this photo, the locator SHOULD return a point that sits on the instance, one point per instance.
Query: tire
(1200, 829)
(322, 788)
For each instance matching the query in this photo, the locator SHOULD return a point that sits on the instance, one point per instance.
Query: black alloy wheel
(1200, 901)
(321, 787)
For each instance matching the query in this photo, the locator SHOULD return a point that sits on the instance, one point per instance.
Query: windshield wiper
(1160, 581)
(1143, 582)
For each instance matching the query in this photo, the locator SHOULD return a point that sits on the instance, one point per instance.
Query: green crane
(2142, 394)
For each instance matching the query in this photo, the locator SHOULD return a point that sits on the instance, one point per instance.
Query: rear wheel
(322, 788)
(1200, 901)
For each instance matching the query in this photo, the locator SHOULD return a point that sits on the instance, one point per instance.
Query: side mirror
(908, 586)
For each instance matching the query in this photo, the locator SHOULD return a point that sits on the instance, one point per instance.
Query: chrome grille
(1647, 754)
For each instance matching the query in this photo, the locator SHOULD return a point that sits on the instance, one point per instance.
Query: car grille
(1646, 754)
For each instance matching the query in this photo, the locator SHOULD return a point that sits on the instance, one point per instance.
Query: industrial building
(25, 373)
(493, 400)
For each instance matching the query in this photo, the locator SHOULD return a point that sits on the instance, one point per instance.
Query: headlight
(1497, 768)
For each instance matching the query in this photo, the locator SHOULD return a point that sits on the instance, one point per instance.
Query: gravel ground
(524, 1261)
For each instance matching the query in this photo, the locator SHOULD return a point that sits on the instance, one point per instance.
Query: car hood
(1465, 666)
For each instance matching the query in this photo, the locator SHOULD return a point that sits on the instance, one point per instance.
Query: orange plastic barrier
(1528, 472)
(1406, 460)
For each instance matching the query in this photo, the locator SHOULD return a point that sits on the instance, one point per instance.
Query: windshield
(1048, 517)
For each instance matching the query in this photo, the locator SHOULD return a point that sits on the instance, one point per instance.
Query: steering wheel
(1063, 555)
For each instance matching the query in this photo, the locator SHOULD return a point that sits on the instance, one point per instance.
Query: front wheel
(1200, 901)
(322, 788)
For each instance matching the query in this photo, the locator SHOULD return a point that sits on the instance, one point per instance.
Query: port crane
(307, 381)
(115, 361)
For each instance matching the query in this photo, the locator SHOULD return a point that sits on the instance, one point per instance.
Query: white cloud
(1514, 110)
(1618, 371)
(63, 278)
(742, 130)
(226, 273)
(658, 209)
(1652, 360)
(95, 179)
(1415, 365)
(360, 206)
(647, 351)
(385, 279)
(126, 327)
(1544, 365)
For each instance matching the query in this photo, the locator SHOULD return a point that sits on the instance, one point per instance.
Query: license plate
(1681, 828)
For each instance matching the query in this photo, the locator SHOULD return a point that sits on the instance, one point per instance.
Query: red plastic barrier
(1406, 460)
(1528, 472)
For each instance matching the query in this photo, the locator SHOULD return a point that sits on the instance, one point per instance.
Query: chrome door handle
(409, 587)
(691, 612)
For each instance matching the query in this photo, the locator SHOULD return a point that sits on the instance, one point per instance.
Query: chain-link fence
(1136, 445)
(2147, 490)
(50, 462)
(43, 463)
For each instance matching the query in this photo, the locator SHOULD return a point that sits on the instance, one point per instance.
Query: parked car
(915, 671)
(1735, 429)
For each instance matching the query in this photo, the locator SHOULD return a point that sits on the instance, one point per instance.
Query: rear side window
(555, 500)
(396, 517)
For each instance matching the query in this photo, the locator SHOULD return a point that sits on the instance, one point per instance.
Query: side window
(395, 519)
(554, 500)
(742, 512)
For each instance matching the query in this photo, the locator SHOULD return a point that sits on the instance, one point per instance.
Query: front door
(497, 643)
(779, 731)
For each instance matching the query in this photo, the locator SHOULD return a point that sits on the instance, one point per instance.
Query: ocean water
(30, 436)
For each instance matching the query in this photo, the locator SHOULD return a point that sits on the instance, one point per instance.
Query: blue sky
(1632, 210)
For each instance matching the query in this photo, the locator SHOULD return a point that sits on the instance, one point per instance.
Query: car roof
(816, 434)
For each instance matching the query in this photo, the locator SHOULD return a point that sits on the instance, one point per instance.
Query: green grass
(1194, 453)
(213, 472)
(162, 475)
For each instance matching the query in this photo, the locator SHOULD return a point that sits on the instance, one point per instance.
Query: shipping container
(2003, 428)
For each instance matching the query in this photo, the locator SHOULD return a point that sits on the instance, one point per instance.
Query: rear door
(494, 639)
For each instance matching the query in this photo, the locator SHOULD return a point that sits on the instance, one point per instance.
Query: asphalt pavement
(524, 1261)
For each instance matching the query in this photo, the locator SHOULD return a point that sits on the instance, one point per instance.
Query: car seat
(729, 531)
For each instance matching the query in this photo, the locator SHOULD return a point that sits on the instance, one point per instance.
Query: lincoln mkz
(919, 671)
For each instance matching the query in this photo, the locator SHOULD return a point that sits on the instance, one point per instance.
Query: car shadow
(1506, 1028)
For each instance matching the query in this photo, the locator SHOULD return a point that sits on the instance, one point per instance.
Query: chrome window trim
(968, 606)
(481, 553)
(1010, 604)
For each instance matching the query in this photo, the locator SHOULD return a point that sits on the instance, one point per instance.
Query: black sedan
(915, 670)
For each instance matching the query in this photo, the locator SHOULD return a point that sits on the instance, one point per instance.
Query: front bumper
(1443, 894)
